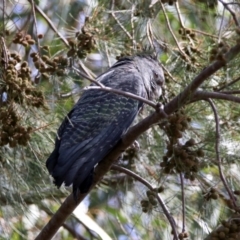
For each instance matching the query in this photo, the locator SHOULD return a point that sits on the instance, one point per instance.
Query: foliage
(186, 166)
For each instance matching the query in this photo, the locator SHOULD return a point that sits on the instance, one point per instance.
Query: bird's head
(153, 76)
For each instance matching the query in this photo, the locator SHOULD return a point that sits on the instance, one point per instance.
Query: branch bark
(204, 95)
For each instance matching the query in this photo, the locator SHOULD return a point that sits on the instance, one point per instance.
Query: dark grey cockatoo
(99, 119)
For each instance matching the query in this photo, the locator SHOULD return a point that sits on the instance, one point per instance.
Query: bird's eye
(155, 75)
(157, 79)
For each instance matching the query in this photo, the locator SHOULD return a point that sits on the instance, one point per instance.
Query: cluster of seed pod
(183, 235)
(192, 52)
(217, 52)
(23, 39)
(12, 132)
(184, 32)
(130, 153)
(85, 44)
(151, 201)
(17, 90)
(212, 194)
(180, 157)
(228, 230)
(176, 124)
(48, 66)
(18, 85)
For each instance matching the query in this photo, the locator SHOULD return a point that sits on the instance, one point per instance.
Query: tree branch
(219, 162)
(149, 186)
(40, 11)
(204, 95)
(183, 203)
(126, 94)
(230, 11)
(80, 73)
(35, 23)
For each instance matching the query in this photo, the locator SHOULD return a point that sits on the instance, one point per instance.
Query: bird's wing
(97, 124)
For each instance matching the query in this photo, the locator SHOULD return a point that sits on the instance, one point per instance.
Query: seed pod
(145, 203)
(33, 54)
(200, 153)
(191, 142)
(25, 43)
(40, 36)
(31, 41)
(145, 210)
(214, 196)
(160, 189)
(153, 201)
(236, 192)
(13, 143)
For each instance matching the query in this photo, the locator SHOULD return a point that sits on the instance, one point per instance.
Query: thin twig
(149, 33)
(231, 12)
(183, 203)
(217, 142)
(231, 92)
(172, 33)
(85, 76)
(221, 24)
(233, 3)
(228, 84)
(107, 54)
(4, 52)
(39, 10)
(168, 73)
(203, 95)
(3, 15)
(123, 93)
(119, 23)
(87, 71)
(179, 14)
(35, 23)
(132, 28)
(203, 33)
(149, 186)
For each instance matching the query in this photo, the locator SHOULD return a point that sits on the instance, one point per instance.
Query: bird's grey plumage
(99, 119)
